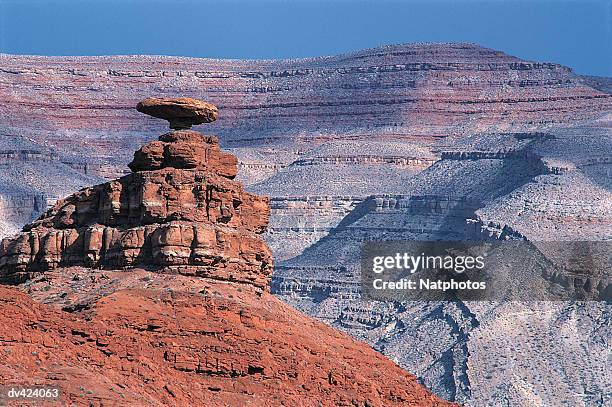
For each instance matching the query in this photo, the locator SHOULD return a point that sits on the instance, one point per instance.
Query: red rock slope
(198, 326)
(227, 346)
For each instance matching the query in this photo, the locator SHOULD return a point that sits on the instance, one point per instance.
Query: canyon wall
(19, 209)
(475, 193)
(276, 115)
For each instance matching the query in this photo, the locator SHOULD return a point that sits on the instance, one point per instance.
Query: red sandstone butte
(179, 212)
(152, 290)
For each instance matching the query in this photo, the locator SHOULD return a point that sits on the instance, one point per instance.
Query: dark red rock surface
(160, 343)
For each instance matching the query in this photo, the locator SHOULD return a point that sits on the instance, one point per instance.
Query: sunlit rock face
(447, 136)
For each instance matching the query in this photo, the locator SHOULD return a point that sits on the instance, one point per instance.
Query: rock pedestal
(179, 211)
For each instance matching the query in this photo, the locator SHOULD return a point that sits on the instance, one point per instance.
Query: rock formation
(462, 346)
(179, 211)
(279, 112)
(152, 290)
(399, 92)
(185, 149)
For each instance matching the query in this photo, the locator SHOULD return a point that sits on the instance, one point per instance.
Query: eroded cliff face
(18, 209)
(427, 127)
(535, 186)
(402, 91)
(153, 290)
(32, 178)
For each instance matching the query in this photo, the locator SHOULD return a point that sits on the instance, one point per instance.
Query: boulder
(182, 113)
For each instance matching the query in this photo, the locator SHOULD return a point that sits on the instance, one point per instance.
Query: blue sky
(577, 33)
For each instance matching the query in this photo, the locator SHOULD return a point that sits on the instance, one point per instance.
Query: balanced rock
(179, 211)
(182, 113)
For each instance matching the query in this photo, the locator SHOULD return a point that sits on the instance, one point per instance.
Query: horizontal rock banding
(180, 247)
(414, 93)
(418, 89)
(191, 338)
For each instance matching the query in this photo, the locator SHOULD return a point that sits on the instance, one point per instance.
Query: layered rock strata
(389, 93)
(498, 186)
(311, 195)
(278, 112)
(446, 97)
